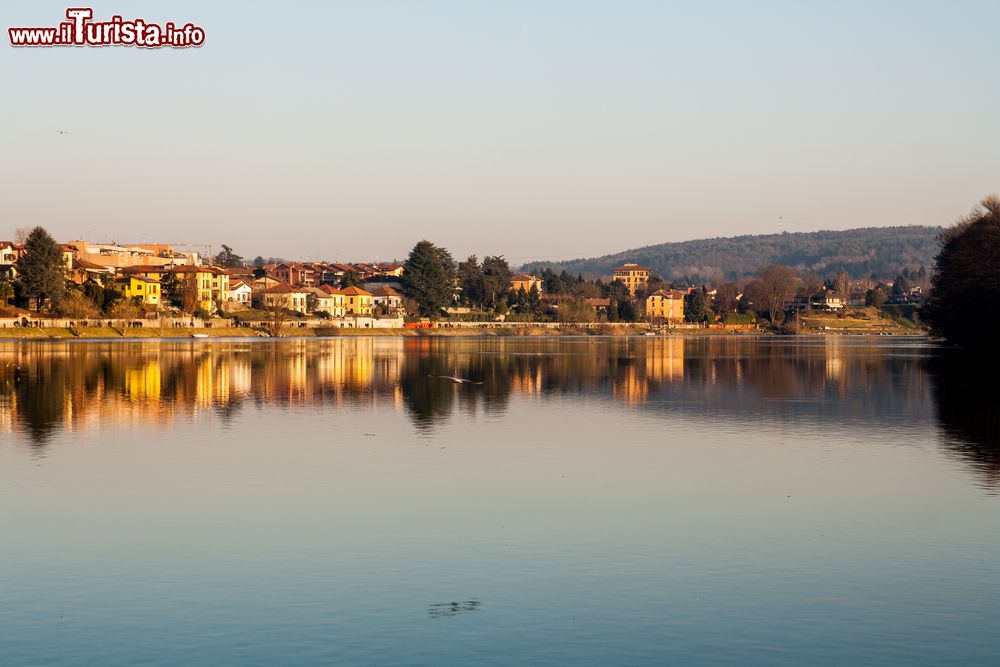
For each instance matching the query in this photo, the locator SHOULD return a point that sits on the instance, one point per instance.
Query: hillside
(884, 251)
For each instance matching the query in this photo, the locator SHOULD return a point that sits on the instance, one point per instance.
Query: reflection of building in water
(834, 358)
(665, 359)
(632, 387)
(143, 382)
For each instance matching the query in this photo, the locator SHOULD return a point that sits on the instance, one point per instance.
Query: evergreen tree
(696, 307)
(41, 272)
(427, 278)
(964, 303)
(470, 280)
(351, 279)
(496, 280)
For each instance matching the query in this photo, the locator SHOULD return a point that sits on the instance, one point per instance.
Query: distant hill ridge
(861, 252)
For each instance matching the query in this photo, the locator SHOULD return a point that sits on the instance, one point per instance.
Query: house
(336, 306)
(240, 295)
(523, 281)
(357, 301)
(633, 276)
(211, 284)
(387, 300)
(600, 306)
(295, 274)
(665, 306)
(324, 301)
(394, 270)
(140, 287)
(83, 271)
(9, 254)
(285, 296)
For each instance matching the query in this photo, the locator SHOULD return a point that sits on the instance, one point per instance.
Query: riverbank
(92, 333)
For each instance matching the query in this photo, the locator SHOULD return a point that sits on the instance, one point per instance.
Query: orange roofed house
(665, 305)
(632, 276)
(357, 301)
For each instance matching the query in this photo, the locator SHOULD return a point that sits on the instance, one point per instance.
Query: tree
(75, 303)
(427, 278)
(726, 301)
(842, 285)
(779, 284)
(351, 279)
(470, 281)
(696, 306)
(753, 297)
(496, 280)
(6, 292)
(964, 303)
(227, 259)
(311, 302)
(41, 272)
(275, 316)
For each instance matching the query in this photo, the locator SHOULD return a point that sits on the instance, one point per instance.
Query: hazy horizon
(551, 130)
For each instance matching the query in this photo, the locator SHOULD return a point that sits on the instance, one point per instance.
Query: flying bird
(62, 132)
(455, 379)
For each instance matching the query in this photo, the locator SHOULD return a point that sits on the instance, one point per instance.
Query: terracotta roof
(354, 291)
(85, 265)
(668, 293)
(282, 288)
(386, 291)
(237, 284)
(522, 277)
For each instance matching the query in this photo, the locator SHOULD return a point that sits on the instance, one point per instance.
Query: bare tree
(842, 285)
(779, 284)
(275, 316)
(21, 234)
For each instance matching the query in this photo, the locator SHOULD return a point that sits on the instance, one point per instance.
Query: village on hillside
(137, 282)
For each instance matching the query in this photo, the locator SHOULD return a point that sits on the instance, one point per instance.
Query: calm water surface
(592, 502)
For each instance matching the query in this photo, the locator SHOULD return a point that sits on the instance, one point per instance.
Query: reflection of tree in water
(967, 399)
(42, 402)
(830, 382)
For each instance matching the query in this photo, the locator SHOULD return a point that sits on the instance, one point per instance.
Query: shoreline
(114, 333)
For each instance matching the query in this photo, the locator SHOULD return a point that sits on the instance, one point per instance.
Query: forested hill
(884, 251)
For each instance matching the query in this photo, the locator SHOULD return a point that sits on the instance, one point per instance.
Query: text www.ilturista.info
(79, 30)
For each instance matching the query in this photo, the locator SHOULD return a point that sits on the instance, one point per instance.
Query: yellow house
(632, 275)
(357, 301)
(336, 301)
(147, 289)
(210, 283)
(524, 282)
(665, 306)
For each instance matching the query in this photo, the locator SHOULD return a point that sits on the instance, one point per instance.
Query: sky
(538, 129)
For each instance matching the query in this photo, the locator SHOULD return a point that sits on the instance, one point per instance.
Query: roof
(628, 266)
(386, 291)
(597, 302)
(144, 279)
(668, 294)
(354, 291)
(235, 285)
(142, 268)
(522, 277)
(283, 288)
(90, 266)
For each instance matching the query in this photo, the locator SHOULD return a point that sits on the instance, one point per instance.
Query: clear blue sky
(349, 130)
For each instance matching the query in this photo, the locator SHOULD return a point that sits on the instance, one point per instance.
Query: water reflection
(868, 383)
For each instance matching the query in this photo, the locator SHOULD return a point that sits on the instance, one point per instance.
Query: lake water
(594, 501)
